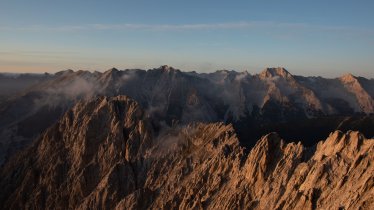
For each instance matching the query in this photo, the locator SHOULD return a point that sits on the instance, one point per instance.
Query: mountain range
(167, 139)
(272, 99)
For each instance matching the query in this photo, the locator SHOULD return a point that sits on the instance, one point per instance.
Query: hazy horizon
(252, 72)
(316, 38)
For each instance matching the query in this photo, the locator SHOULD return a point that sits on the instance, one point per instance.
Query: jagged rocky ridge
(105, 154)
(271, 99)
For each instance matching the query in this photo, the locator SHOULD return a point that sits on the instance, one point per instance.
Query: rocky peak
(109, 78)
(112, 71)
(114, 125)
(167, 69)
(91, 149)
(225, 71)
(340, 143)
(266, 154)
(64, 72)
(273, 72)
(268, 144)
(353, 85)
(348, 78)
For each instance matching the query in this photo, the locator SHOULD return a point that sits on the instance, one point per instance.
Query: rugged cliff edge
(104, 154)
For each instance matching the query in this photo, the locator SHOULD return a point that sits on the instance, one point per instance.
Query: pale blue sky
(319, 37)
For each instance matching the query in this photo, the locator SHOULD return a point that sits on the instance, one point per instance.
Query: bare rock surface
(105, 154)
(86, 159)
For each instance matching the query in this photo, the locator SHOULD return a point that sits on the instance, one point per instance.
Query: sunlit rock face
(106, 153)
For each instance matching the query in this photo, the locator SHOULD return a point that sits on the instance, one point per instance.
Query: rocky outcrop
(87, 159)
(105, 154)
(354, 86)
(336, 175)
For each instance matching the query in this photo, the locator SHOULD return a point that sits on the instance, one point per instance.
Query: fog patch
(128, 76)
(64, 94)
(173, 139)
(242, 75)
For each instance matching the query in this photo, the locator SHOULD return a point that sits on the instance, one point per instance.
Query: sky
(320, 37)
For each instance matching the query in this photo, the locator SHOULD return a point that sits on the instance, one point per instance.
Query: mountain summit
(273, 72)
(354, 86)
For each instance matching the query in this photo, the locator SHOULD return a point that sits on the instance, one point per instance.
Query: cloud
(130, 26)
(67, 91)
(38, 53)
(235, 25)
(198, 26)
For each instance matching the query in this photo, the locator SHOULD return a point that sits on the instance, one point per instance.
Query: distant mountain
(106, 153)
(170, 96)
(13, 84)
